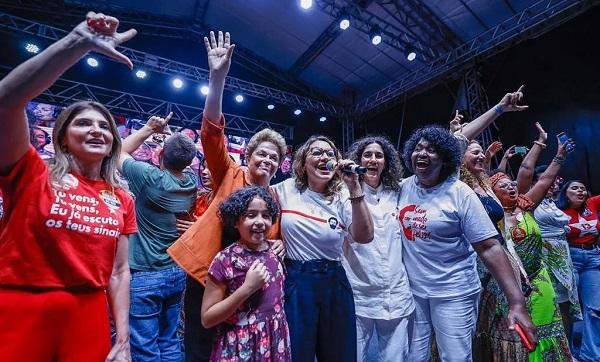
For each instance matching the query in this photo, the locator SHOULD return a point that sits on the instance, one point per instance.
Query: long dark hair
(563, 201)
(392, 172)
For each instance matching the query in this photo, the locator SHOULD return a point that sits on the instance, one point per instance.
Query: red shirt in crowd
(60, 236)
(584, 227)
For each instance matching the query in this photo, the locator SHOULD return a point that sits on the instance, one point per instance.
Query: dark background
(559, 70)
(561, 74)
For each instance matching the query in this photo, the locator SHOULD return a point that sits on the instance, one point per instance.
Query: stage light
(271, 106)
(344, 23)
(32, 48)
(306, 4)
(141, 74)
(177, 83)
(411, 53)
(297, 112)
(204, 90)
(239, 98)
(323, 119)
(375, 35)
(92, 62)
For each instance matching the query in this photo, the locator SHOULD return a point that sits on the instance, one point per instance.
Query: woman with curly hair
(317, 214)
(382, 296)
(443, 225)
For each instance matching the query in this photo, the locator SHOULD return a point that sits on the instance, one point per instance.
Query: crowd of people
(457, 262)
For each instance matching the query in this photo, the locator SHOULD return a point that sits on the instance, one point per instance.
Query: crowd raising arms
(89, 148)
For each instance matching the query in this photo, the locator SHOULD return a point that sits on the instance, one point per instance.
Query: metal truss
(347, 133)
(477, 102)
(171, 67)
(540, 17)
(364, 20)
(65, 92)
(421, 23)
(66, 16)
(316, 48)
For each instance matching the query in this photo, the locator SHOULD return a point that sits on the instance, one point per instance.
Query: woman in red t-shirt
(63, 244)
(584, 245)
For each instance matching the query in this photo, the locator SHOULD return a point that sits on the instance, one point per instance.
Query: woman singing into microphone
(317, 214)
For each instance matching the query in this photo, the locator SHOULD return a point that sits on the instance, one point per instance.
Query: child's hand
(256, 276)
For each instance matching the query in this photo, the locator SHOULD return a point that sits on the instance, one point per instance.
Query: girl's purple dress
(258, 330)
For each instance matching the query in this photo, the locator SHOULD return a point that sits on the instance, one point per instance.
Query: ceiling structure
(302, 58)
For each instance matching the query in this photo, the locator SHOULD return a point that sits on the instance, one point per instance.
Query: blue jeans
(319, 307)
(154, 314)
(586, 264)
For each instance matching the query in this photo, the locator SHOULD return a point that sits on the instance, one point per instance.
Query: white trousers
(452, 320)
(392, 338)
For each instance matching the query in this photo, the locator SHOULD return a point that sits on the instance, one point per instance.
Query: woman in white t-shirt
(317, 214)
(382, 296)
(443, 225)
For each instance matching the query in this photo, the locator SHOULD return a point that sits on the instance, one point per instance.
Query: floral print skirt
(266, 339)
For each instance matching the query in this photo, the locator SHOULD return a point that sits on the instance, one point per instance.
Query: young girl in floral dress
(244, 291)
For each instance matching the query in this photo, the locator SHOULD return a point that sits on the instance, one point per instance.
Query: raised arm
(510, 153)
(154, 124)
(538, 191)
(525, 175)
(28, 80)
(219, 60)
(491, 151)
(508, 103)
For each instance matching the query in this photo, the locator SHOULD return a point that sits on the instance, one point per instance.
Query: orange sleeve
(215, 152)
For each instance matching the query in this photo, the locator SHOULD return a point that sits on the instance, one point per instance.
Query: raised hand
(219, 53)
(456, 123)
(511, 101)
(510, 153)
(159, 124)
(542, 135)
(100, 33)
(564, 148)
(494, 148)
(256, 276)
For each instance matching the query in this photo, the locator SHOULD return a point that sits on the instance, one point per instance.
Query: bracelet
(498, 109)
(559, 159)
(541, 144)
(356, 199)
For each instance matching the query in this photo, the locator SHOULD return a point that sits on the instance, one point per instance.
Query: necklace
(509, 210)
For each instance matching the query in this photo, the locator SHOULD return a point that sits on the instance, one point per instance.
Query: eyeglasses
(318, 152)
(506, 185)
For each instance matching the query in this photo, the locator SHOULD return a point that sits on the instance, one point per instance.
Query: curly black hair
(444, 143)
(392, 172)
(232, 208)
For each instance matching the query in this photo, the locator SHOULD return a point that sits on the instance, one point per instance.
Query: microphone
(359, 170)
